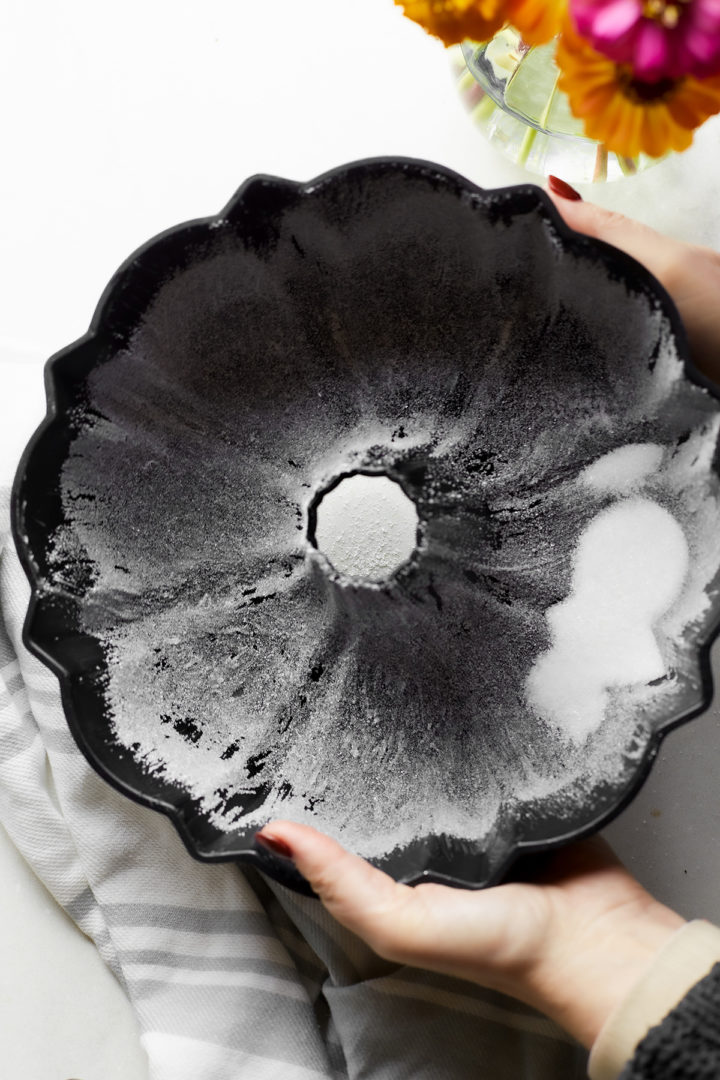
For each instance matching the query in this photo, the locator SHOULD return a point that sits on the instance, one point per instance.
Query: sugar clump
(366, 526)
(623, 469)
(628, 569)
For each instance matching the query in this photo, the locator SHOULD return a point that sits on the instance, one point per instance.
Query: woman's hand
(571, 943)
(690, 273)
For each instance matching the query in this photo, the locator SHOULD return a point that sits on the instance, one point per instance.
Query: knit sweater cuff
(686, 958)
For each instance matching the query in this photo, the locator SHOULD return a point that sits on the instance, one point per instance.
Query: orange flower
(455, 20)
(536, 20)
(628, 116)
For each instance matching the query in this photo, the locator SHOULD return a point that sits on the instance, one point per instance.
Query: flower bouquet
(636, 76)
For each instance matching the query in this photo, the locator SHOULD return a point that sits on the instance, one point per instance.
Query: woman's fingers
(478, 935)
(649, 247)
(691, 274)
(362, 898)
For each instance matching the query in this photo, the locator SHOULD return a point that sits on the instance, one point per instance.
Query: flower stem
(601, 161)
(627, 165)
(484, 108)
(526, 145)
(544, 116)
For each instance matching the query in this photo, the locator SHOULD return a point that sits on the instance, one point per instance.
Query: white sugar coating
(623, 469)
(684, 474)
(382, 715)
(366, 526)
(628, 569)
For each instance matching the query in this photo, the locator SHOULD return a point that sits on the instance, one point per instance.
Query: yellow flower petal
(592, 102)
(684, 113)
(657, 132)
(537, 20)
(681, 138)
(455, 20)
(704, 95)
(646, 132)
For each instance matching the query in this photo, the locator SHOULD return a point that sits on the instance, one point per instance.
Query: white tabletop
(119, 122)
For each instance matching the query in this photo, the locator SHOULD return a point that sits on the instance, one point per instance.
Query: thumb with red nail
(689, 272)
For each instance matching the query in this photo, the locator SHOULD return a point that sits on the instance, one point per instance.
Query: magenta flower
(658, 39)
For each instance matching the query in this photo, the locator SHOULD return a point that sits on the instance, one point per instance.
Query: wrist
(589, 974)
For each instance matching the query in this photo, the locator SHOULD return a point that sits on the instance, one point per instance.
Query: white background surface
(119, 121)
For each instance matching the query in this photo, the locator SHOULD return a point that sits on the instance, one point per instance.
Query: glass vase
(512, 92)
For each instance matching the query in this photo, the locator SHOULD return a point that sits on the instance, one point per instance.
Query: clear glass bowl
(511, 90)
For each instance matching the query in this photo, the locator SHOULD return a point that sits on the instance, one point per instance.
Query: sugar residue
(366, 526)
(628, 570)
(624, 469)
(236, 667)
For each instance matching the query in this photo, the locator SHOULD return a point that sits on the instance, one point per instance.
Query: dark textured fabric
(686, 1045)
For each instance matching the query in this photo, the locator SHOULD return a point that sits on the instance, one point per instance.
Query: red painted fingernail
(563, 190)
(274, 844)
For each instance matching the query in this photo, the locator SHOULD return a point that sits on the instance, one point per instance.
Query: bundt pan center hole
(364, 525)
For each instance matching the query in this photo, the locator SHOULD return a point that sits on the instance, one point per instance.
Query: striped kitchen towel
(231, 976)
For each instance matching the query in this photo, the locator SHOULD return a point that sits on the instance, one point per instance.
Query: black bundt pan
(392, 276)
